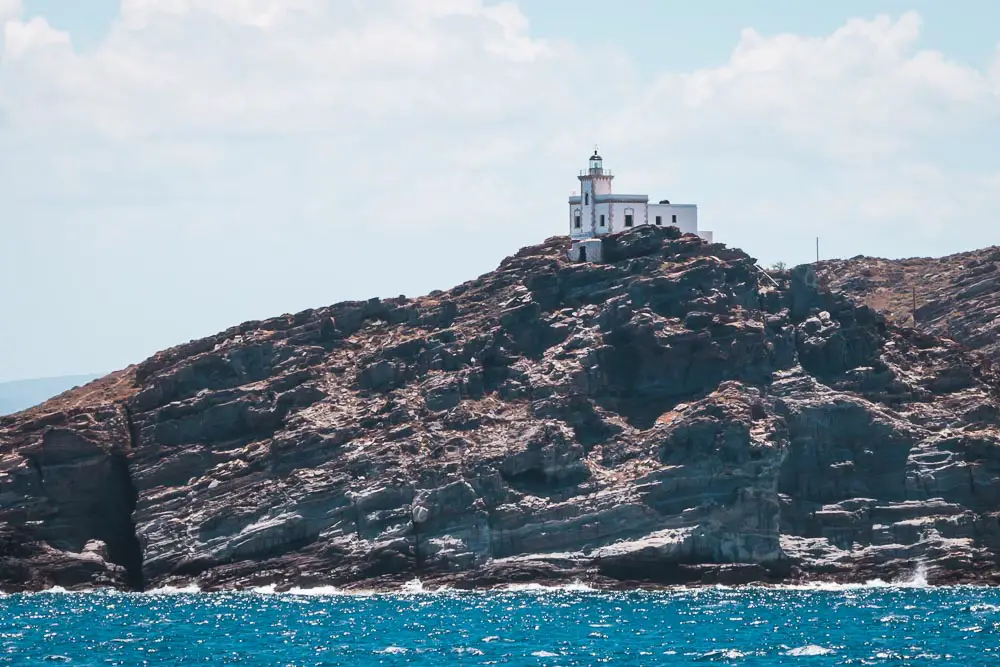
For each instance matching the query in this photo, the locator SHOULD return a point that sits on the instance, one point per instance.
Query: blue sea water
(868, 625)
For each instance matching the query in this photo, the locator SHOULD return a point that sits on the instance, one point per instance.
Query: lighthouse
(597, 211)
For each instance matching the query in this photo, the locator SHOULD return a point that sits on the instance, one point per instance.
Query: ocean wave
(325, 591)
(575, 586)
(312, 591)
(916, 580)
(173, 590)
(809, 649)
(394, 650)
(412, 587)
(417, 587)
(744, 626)
(269, 589)
(723, 654)
(59, 590)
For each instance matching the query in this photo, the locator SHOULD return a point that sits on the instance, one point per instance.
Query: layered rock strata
(668, 416)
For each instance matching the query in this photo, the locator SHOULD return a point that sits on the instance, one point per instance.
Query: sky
(170, 168)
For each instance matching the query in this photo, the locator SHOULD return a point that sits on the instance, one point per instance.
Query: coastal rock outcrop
(668, 416)
(955, 297)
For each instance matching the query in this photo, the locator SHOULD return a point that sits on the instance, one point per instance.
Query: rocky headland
(673, 415)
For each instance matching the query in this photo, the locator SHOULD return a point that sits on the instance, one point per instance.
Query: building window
(576, 219)
(602, 219)
(673, 219)
(629, 217)
(586, 198)
(659, 219)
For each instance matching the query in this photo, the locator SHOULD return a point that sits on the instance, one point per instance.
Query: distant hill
(21, 394)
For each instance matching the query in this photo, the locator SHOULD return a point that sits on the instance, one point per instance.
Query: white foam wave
(810, 649)
(916, 580)
(575, 586)
(413, 586)
(725, 654)
(832, 586)
(174, 590)
(391, 650)
(57, 590)
(416, 587)
(269, 589)
(321, 591)
(313, 591)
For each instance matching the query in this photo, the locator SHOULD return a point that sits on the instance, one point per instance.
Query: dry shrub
(879, 300)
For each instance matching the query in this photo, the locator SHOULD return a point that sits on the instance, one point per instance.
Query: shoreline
(435, 586)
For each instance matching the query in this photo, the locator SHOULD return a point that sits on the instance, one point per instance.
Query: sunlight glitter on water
(877, 624)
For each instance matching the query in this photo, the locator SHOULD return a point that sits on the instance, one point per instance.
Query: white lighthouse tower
(597, 211)
(593, 182)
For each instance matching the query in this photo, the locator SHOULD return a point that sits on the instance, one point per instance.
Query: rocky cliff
(669, 416)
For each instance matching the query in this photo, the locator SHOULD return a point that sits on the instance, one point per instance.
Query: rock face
(668, 416)
(956, 297)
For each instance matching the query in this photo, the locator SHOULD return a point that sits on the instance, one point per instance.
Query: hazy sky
(169, 168)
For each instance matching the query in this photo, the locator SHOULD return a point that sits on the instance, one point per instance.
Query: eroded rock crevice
(123, 544)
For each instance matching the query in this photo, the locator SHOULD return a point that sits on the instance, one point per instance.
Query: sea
(869, 624)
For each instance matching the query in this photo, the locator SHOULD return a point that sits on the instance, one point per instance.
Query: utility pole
(817, 249)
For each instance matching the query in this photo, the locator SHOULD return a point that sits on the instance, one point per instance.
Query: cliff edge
(668, 416)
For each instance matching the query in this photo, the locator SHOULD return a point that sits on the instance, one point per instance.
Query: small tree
(779, 266)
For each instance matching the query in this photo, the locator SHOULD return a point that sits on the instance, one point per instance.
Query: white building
(597, 211)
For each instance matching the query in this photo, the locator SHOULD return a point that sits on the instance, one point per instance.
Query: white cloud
(265, 65)
(307, 66)
(401, 82)
(995, 71)
(269, 131)
(254, 13)
(865, 89)
(10, 9)
(20, 38)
